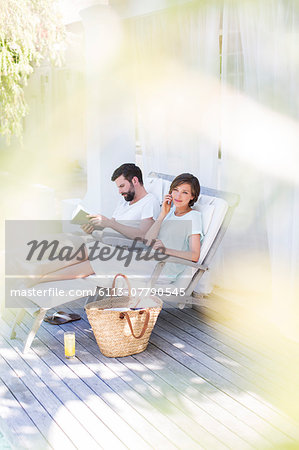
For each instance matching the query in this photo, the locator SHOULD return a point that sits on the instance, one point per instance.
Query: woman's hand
(153, 232)
(166, 205)
(159, 245)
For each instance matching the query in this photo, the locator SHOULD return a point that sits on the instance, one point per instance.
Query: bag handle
(127, 281)
(126, 315)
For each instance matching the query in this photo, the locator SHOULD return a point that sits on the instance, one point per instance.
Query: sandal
(61, 317)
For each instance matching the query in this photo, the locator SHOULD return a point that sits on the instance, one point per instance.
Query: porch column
(110, 133)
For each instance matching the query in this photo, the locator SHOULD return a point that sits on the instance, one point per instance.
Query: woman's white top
(175, 232)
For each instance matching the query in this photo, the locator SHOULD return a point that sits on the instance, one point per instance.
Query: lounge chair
(217, 208)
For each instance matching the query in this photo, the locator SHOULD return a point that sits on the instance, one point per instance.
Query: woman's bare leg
(80, 270)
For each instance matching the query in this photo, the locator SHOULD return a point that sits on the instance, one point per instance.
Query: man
(137, 206)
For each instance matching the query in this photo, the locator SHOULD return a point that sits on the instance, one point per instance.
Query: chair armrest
(185, 262)
(174, 259)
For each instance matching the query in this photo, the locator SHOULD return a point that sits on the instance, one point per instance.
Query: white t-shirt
(145, 208)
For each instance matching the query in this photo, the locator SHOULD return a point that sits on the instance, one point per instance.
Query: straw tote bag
(122, 333)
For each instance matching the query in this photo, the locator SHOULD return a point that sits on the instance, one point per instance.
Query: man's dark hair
(129, 171)
(189, 179)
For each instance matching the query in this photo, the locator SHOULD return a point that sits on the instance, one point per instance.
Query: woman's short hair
(189, 179)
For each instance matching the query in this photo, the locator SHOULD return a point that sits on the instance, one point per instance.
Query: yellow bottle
(69, 344)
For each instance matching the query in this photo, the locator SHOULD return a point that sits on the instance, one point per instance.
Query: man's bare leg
(38, 270)
(80, 270)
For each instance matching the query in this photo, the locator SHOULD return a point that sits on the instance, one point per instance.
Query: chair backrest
(216, 206)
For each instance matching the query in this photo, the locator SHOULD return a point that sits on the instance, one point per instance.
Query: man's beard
(129, 196)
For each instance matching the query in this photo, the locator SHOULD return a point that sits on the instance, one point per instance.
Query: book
(80, 216)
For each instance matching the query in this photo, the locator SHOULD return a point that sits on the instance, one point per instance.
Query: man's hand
(98, 221)
(87, 228)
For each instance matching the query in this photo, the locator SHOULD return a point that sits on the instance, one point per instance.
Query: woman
(178, 231)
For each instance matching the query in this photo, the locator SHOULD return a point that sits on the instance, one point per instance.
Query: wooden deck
(203, 382)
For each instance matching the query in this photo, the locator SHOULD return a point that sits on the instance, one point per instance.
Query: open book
(80, 216)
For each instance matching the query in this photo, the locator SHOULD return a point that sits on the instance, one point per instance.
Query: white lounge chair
(217, 209)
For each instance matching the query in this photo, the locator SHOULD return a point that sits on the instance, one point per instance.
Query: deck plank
(255, 402)
(231, 338)
(199, 384)
(244, 397)
(64, 416)
(268, 392)
(37, 413)
(220, 394)
(273, 434)
(68, 397)
(229, 369)
(14, 421)
(209, 343)
(282, 364)
(199, 397)
(153, 408)
(240, 373)
(230, 313)
(196, 415)
(100, 388)
(111, 419)
(249, 336)
(155, 426)
(234, 340)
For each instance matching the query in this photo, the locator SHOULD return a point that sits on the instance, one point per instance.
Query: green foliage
(30, 31)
